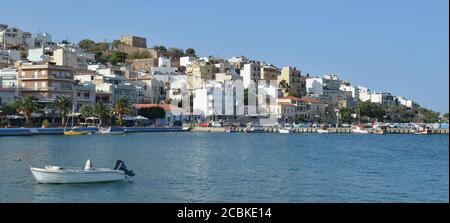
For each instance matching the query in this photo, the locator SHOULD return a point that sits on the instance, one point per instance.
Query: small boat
(421, 132)
(379, 131)
(322, 131)
(230, 130)
(88, 174)
(359, 130)
(255, 129)
(110, 130)
(75, 133)
(286, 130)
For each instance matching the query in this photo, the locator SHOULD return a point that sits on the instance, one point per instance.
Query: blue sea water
(238, 167)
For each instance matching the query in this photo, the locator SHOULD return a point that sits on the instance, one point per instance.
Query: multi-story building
(250, 73)
(314, 86)
(199, 72)
(8, 57)
(45, 81)
(7, 95)
(311, 109)
(383, 98)
(84, 95)
(363, 93)
(238, 62)
(164, 67)
(15, 38)
(405, 102)
(8, 77)
(43, 40)
(149, 89)
(269, 72)
(294, 79)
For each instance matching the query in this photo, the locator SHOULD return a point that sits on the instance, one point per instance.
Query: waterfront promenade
(314, 130)
(60, 131)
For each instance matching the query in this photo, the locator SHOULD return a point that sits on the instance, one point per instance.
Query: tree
(427, 116)
(346, 115)
(116, 57)
(190, 52)
(321, 120)
(371, 110)
(160, 48)
(122, 108)
(63, 105)
(152, 113)
(87, 111)
(445, 117)
(116, 43)
(27, 105)
(87, 45)
(175, 52)
(8, 109)
(299, 119)
(103, 112)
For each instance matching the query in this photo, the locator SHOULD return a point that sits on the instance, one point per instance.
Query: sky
(397, 46)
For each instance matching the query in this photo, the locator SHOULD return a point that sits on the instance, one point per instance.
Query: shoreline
(60, 131)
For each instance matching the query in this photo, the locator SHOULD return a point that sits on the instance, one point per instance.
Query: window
(44, 84)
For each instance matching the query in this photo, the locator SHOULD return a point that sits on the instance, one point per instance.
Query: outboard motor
(120, 165)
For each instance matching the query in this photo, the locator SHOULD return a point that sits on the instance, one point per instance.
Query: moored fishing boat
(359, 130)
(110, 130)
(88, 174)
(255, 129)
(74, 132)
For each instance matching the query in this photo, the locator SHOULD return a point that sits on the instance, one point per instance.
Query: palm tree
(63, 105)
(102, 111)
(122, 108)
(284, 85)
(27, 105)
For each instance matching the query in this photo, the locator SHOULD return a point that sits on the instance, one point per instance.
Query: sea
(234, 167)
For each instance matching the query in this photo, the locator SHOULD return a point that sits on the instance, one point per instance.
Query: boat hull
(73, 177)
(75, 133)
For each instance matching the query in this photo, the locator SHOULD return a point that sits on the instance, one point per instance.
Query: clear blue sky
(399, 46)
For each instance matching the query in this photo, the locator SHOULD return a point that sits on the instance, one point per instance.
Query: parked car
(216, 124)
(346, 125)
(203, 124)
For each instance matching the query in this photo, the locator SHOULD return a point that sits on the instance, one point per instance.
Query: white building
(364, 93)
(41, 54)
(250, 73)
(405, 102)
(314, 86)
(185, 61)
(349, 89)
(9, 77)
(164, 67)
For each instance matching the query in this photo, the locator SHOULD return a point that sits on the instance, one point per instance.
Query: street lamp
(337, 117)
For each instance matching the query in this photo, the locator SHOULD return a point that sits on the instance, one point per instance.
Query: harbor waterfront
(221, 167)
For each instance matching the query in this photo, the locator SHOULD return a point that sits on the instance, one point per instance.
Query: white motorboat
(359, 130)
(286, 130)
(110, 130)
(88, 174)
(322, 131)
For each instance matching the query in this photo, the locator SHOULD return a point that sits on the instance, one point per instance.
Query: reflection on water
(219, 167)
